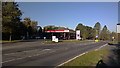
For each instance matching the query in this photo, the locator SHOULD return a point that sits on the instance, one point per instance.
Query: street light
(118, 32)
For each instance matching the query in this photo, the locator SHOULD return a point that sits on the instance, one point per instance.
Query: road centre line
(13, 59)
(26, 57)
(21, 51)
(25, 51)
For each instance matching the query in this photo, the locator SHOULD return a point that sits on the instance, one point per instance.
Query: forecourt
(34, 53)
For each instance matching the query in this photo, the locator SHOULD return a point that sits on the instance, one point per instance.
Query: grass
(65, 41)
(6, 41)
(89, 59)
(48, 41)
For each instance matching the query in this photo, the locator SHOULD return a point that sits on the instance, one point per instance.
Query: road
(35, 53)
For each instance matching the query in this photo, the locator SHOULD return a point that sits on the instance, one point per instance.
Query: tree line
(96, 32)
(14, 28)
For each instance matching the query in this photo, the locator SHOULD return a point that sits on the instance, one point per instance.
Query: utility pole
(118, 32)
(10, 36)
(10, 39)
(27, 35)
(118, 25)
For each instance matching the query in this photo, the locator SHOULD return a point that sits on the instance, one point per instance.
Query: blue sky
(69, 14)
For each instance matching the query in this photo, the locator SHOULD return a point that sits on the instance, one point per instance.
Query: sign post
(118, 32)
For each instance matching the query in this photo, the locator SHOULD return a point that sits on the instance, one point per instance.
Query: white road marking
(47, 49)
(72, 59)
(77, 57)
(101, 47)
(14, 59)
(25, 51)
(29, 56)
(8, 61)
(20, 52)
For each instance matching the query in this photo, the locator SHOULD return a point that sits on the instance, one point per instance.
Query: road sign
(78, 35)
(56, 40)
(53, 38)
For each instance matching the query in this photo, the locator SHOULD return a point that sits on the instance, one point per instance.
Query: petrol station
(61, 34)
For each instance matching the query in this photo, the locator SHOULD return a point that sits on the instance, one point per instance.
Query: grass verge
(89, 59)
(6, 41)
(67, 41)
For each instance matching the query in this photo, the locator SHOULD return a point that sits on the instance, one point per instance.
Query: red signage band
(57, 31)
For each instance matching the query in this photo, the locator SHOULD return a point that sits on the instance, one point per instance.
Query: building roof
(60, 31)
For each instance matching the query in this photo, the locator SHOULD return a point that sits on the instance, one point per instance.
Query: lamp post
(118, 32)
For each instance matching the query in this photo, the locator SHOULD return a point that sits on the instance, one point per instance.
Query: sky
(70, 14)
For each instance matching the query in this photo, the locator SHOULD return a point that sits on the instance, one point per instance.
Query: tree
(31, 27)
(90, 32)
(27, 21)
(86, 32)
(10, 17)
(113, 34)
(97, 28)
(49, 27)
(34, 24)
(83, 31)
(22, 29)
(105, 34)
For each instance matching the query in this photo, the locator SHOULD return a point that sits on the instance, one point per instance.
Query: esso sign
(78, 35)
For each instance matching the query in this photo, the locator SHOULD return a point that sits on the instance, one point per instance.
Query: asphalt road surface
(35, 53)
